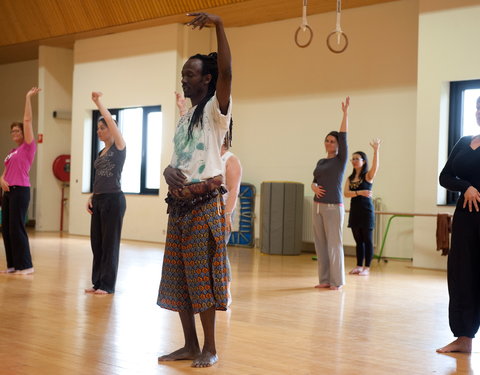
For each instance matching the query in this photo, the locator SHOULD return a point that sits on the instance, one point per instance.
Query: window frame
(143, 168)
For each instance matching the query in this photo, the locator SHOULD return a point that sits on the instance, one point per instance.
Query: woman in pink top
(15, 183)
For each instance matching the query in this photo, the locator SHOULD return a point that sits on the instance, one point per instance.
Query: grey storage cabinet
(281, 218)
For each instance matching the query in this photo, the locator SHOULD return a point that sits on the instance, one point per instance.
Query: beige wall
(55, 78)
(17, 79)
(286, 99)
(447, 53)
(136, 68)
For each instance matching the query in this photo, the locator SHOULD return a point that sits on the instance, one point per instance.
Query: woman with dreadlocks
(194, 275)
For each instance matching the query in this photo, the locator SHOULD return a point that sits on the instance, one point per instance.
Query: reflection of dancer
(461, 174)
(328, 209)
(15, 183)
(107, 204)
(362, 213)
(194, 274)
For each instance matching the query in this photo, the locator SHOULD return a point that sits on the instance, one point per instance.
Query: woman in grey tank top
(107, 204)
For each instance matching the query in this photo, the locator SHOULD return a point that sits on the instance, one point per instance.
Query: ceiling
(26, 24)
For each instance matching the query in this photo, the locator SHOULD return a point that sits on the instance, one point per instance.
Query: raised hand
(346, 104)
(96, 95)
(203, 19)
(375, 143)
(33, 91)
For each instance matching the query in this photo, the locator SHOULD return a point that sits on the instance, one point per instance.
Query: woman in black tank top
(362, 213)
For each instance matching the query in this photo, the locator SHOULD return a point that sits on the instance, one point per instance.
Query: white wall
(447, 52)
(55, 79)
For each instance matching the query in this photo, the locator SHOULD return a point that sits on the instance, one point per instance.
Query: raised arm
(375, 143)
(112, 125)
(224, 57)
(344, 123)
(27, 116)
(233, 178)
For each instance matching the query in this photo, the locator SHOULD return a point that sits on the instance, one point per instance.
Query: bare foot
(333, 287)
(462, 344)
(90, 290)
(100, 291)
(206, 359)
(180, 354)
(8, 270)
(365, 272)
(356, 270)
(322, 286)
(26, 271)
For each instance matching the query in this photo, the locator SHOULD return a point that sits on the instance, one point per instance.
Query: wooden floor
(387, 323)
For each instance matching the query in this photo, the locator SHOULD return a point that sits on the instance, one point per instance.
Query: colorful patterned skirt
(194, 274)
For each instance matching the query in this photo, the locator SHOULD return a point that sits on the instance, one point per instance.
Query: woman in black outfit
(107, 204)
(461, 173)
(362, 213)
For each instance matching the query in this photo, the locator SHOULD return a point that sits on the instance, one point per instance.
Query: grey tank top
(108, 171)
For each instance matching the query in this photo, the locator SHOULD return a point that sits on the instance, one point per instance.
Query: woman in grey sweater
(328, 211)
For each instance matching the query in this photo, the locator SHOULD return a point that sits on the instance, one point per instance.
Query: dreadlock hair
(209, 66)
(227, 141)
(364, 170)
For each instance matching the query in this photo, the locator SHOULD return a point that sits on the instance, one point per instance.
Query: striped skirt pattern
(194, 274)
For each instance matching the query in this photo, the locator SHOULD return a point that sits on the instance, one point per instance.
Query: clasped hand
(174, 177)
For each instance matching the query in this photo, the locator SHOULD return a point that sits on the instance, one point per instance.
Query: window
(462, 120)
(142, 130)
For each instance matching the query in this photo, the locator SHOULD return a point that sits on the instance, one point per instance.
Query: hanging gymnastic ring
(328, 41)
(309, 39)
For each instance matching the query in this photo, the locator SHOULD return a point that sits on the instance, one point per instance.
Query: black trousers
(464, 274)
(14, 211)
(105, 231)
(364, 240)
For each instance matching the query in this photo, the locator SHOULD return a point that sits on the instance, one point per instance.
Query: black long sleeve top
(462, 169)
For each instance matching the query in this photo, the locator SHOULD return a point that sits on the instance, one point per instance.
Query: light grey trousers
(327, 232)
